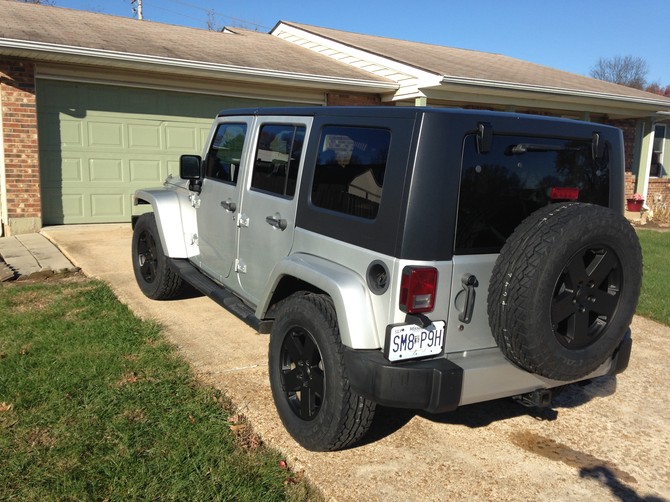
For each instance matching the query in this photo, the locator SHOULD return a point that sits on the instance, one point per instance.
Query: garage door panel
(105, 135)
(54, 170)
(145, 136)
(109, 205)
(106, 170)
(181, 138)
(71, 133)
(71, 171)
(62, 207)
(146, 171)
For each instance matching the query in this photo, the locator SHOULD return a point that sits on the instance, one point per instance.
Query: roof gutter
(33, 49)
(555, 90)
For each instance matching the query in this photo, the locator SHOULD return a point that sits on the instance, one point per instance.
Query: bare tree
(657, 88)
(39, 2)
(625, 70)
(212, 24)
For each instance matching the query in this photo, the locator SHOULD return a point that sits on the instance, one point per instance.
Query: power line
(216, 14)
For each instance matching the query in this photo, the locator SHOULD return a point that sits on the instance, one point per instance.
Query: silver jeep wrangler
(408, 257)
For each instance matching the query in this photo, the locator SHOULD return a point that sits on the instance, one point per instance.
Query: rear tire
(309, 384)
(152, 271)
(564, 290)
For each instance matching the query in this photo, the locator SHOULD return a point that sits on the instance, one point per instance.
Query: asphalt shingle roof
(469, 64)
(243, 48)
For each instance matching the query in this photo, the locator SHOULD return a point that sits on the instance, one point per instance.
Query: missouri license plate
(410, 341)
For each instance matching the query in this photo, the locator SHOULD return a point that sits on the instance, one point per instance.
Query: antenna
(137, 10)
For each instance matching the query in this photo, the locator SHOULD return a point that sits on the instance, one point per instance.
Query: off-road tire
(152, 271)
(564, 289)
(309, 384)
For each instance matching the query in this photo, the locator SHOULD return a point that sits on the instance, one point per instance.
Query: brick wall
(352, 99)
(628, 129)
(629, 185)
(656, 186)
(19, 142)
(659, 186)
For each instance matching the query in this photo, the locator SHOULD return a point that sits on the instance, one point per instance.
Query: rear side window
(499, 189)
(223, 158)
(350, 167)
(278, 158)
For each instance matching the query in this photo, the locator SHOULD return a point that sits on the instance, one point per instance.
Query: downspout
(3, 183)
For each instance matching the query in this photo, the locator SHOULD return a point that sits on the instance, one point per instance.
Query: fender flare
(347, 289)
(167, 208)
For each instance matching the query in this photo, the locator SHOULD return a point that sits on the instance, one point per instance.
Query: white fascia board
(559, 91)
(405, 75)
(183, 64)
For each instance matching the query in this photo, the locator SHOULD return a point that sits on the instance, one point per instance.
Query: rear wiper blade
(536, 147)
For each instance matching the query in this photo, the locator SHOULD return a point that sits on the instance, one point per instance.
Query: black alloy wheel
(586, 297)
(302, 376)
(146, 256)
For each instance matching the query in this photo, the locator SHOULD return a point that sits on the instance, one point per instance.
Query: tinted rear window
(499, 189)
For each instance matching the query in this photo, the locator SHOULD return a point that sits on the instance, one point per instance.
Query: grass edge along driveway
(95, 404)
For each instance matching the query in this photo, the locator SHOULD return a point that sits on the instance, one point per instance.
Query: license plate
(409, 341)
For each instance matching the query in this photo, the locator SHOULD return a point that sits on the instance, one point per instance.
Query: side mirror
(189, 167)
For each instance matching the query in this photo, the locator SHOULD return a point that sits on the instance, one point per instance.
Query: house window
(657, 167)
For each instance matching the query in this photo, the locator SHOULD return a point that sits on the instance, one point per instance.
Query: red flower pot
(634, 206)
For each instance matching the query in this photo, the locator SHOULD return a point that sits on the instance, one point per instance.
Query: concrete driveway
(596, 445)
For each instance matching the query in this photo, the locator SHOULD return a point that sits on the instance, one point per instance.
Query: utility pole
(137, 9)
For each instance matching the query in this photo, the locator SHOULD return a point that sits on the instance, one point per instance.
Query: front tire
(309, 384)
(152, 271)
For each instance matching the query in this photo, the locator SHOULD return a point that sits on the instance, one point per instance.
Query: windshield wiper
(536, 147)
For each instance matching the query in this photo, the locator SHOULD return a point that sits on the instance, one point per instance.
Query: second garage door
(99, 143)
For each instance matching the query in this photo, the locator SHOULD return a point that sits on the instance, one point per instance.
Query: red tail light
(564, 193)
(417, 289)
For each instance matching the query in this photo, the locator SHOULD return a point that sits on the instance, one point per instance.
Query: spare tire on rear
(564, 289)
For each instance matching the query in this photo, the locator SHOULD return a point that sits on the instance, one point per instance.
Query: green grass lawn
(655, 297)
(95, 405)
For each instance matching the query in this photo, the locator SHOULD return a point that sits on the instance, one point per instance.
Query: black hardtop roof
(390, 112)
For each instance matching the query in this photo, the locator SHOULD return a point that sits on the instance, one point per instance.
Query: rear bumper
(440, 385)
(434, 385)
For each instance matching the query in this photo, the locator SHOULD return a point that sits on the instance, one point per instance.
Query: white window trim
(661, 153)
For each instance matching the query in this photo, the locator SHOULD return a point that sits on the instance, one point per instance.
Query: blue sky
(567, 34)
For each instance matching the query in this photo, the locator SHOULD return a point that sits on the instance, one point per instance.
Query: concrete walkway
(597, 444)
(29, 256)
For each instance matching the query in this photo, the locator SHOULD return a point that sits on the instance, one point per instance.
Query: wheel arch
(169, 212)
(347, 290)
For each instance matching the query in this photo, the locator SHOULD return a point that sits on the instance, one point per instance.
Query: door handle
(276, 221)
(228, 205)
(469, 282)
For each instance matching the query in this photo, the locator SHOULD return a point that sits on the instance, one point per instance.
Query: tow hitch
(537, 399)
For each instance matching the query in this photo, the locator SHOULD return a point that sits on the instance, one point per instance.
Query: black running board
(221, 295)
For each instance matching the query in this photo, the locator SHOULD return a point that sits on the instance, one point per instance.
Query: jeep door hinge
(242, 220)
(240, 267)
(194, 200)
